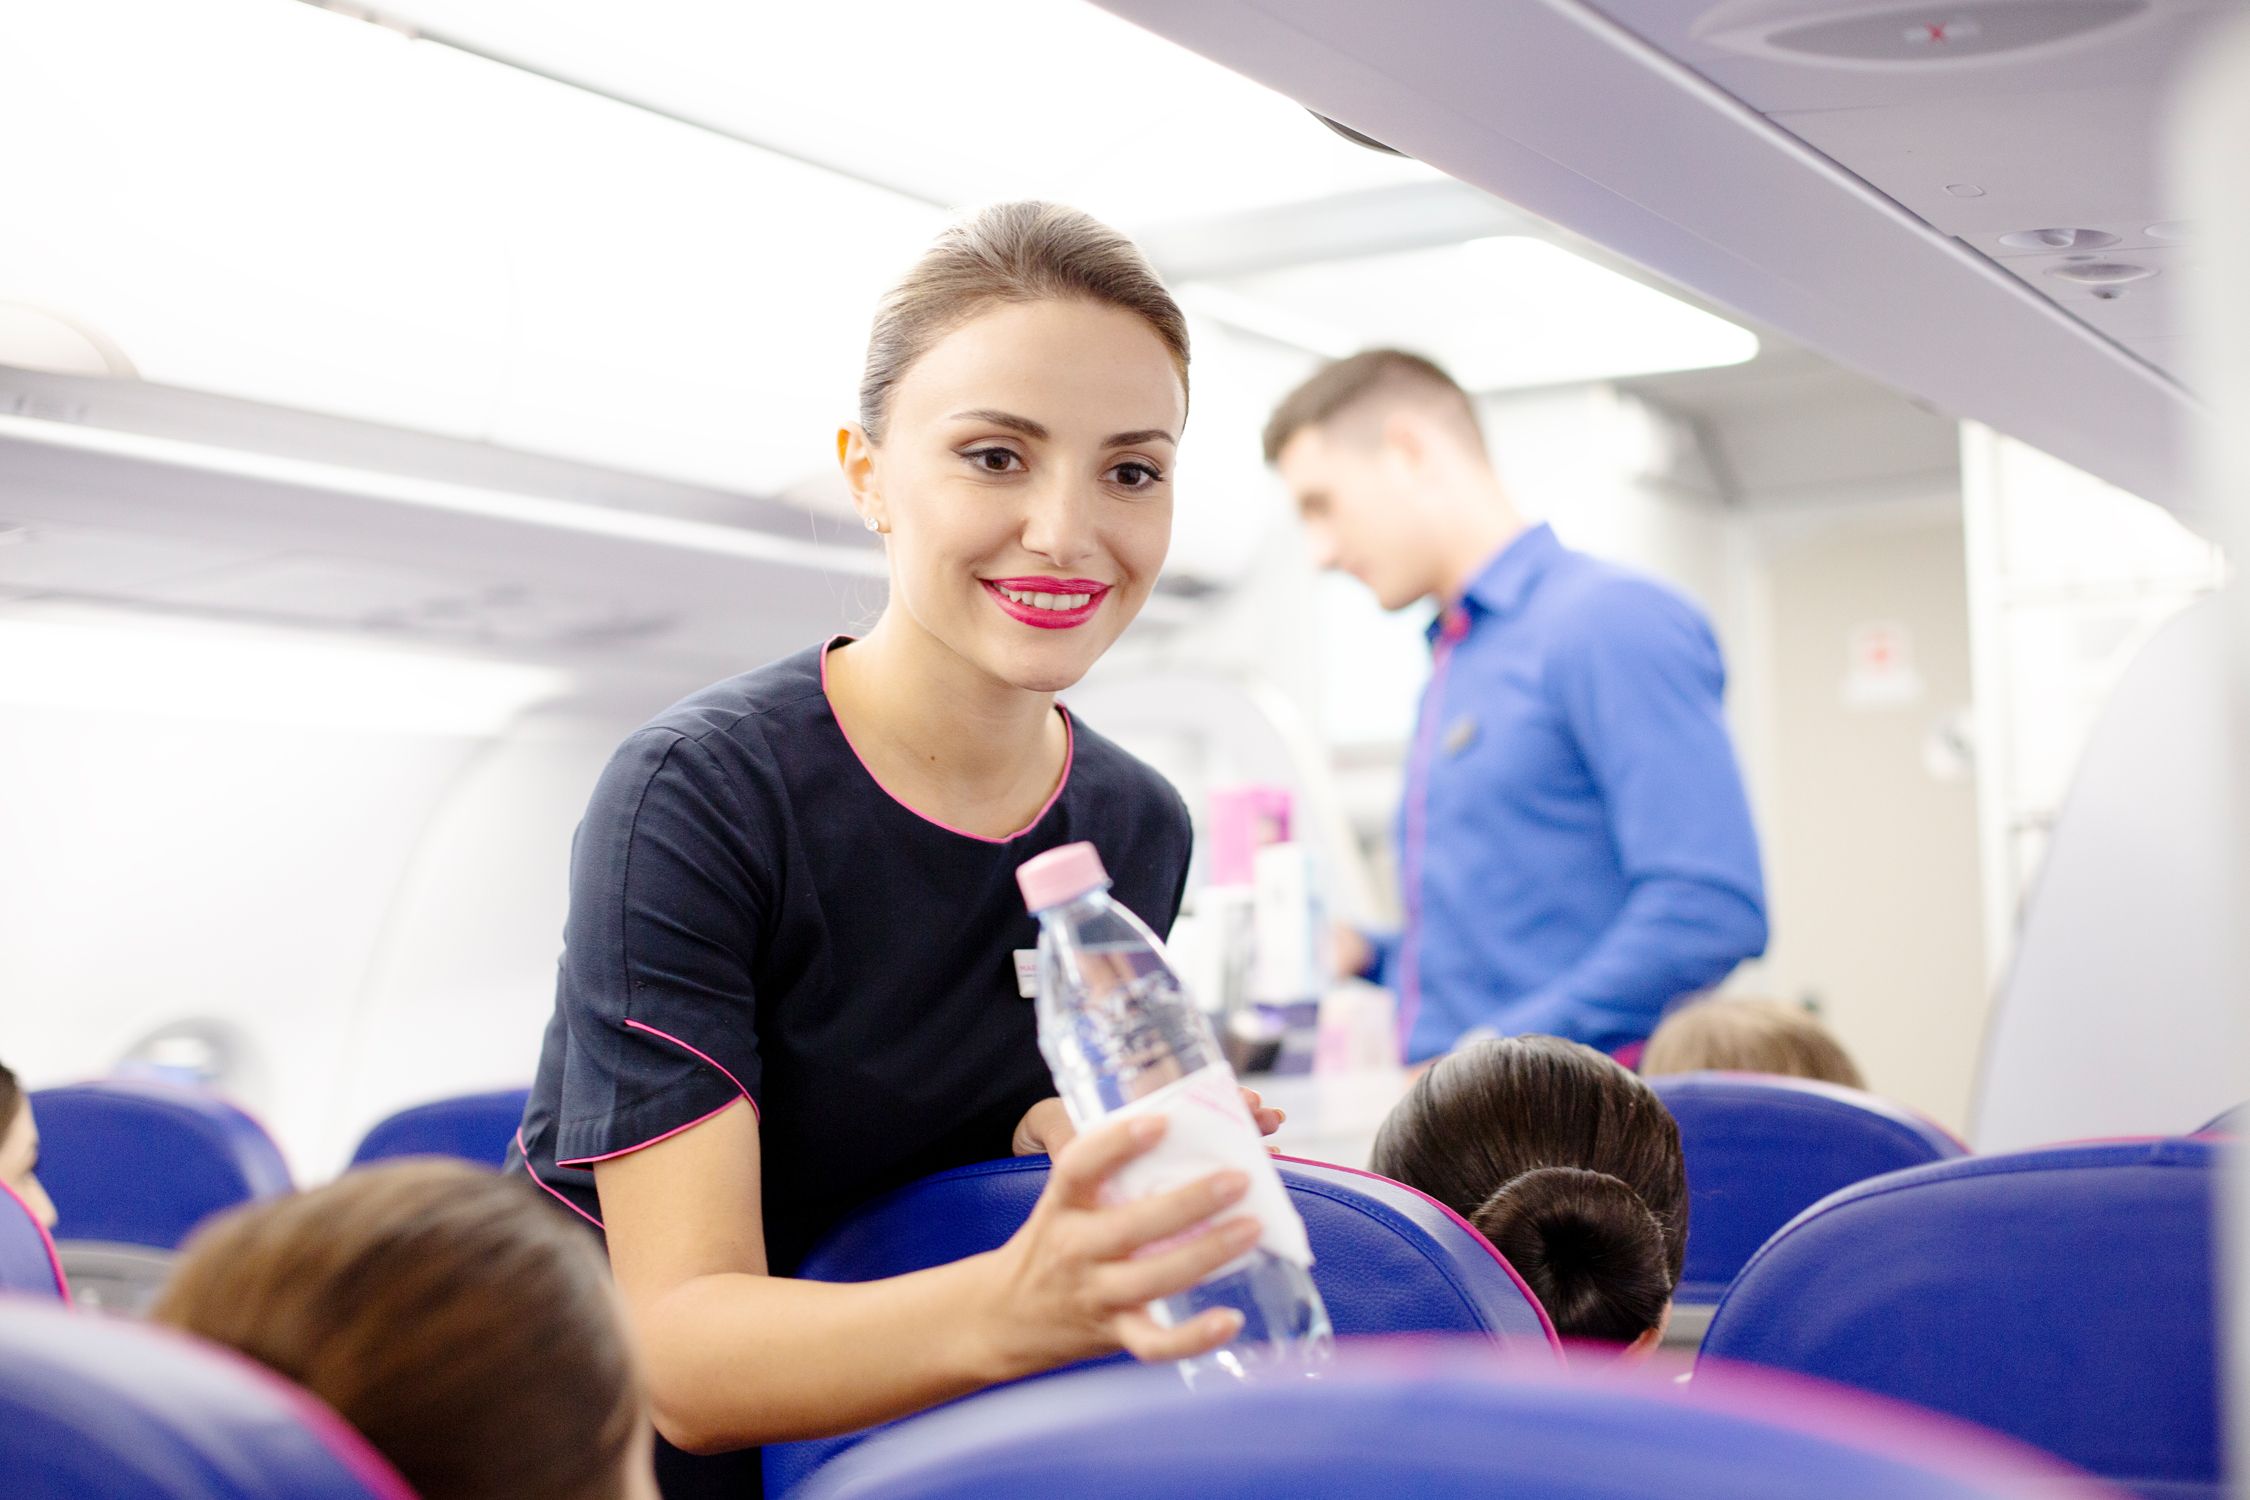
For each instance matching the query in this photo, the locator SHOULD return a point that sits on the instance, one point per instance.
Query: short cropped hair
(1749, 1036)
(1363, 379)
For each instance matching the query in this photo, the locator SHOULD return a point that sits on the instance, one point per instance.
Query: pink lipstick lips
(1047, 603)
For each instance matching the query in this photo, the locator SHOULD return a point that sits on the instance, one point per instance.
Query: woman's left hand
(1046, 1126)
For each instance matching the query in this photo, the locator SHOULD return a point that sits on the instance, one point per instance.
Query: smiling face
(19, 1163)
(1025, 481)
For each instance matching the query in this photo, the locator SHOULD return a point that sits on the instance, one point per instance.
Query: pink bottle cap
(1060, 875)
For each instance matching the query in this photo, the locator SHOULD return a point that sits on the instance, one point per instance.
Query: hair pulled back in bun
(1589, 1247)
(1575, 1159)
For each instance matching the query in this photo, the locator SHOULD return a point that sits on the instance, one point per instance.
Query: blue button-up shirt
(1575, 844)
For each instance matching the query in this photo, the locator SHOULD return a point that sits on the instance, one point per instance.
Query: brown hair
(1749, 1036)
(1389, 375)
(11, 1098)
(463, 1327)
(1566, 1162)
(1010, 252)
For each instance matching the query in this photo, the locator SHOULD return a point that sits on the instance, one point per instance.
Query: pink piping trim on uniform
(525, 1152)
(1546, 1323)
(587, 1161)
(1070, 755)
(707, 1057)
(46, 1242)
(1455, 625)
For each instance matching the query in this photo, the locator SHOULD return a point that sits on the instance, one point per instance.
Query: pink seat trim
(1546, 1323)
(1070, 756)
(345, 1443)
(525, 1152)
(46, 1242)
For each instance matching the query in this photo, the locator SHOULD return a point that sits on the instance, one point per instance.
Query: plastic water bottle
(1123, 1039)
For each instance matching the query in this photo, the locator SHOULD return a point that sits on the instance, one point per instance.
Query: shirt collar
(1501, 585)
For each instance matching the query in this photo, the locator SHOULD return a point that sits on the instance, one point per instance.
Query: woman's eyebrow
(1014, 423)
(1144, 435)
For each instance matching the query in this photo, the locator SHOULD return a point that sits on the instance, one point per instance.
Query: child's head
(1748, 1036)
(1567, 1163)
(464, 1328)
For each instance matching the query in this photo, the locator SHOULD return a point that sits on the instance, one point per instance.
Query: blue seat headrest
(474, 1127)
(28, 1263)
(1433, 1421)
(101, 1406)
(1760, 1150)
(143, 1163)
(1387, 1259)
(2064, 1296)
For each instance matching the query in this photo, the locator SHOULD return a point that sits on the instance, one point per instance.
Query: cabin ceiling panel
(2139, 54)
(43, 557)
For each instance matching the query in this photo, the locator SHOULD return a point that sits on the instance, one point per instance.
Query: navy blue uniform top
(1575, 845)
(753, 915)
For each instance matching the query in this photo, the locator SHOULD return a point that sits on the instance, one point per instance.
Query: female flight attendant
(789, 979)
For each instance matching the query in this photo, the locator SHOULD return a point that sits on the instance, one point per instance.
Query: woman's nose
(1058, 522)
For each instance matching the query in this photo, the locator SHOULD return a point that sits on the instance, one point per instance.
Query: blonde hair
(1749, 1036)
(1010, 252)
(466, 1329)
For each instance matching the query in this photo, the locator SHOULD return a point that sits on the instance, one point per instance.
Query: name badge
(1461, 734)
(1027, 972)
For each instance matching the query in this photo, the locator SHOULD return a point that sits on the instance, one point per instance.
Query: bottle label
(1210, 1130)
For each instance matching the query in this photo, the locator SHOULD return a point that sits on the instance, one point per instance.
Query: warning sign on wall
(1879, 666)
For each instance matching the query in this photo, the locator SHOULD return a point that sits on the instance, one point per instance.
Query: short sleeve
(670, 880)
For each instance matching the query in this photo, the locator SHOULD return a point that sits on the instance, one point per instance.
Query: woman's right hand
(1070, 1284)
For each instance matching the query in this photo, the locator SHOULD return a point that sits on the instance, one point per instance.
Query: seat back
(2064, 1296)
(1760, 1150)
(1386, 1258)
(137, 1163)
(1433, 1421)
(474, 1127)
(28, 1263)
(100, 1406)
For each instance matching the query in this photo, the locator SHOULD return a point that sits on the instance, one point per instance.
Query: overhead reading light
(2100, 272)
(2058, 239)
(1889, 34)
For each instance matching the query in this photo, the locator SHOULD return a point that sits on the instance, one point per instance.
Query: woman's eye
(1135, 475)
(994, 460)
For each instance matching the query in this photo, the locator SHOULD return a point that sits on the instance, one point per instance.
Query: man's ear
(1406, 439)
(855, 455)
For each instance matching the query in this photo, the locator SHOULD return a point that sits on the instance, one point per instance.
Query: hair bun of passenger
(1588, 1247)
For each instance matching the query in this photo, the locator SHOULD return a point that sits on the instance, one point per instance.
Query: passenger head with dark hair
(19, 1150)
(1567, 1163)
(1749, 1036)
(467, 1330)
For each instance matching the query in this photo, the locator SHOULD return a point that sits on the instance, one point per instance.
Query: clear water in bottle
(1122, 1037)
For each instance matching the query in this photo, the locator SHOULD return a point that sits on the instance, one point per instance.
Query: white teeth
(1047, 601)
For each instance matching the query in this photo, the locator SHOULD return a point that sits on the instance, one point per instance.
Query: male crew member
(1575, 848)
